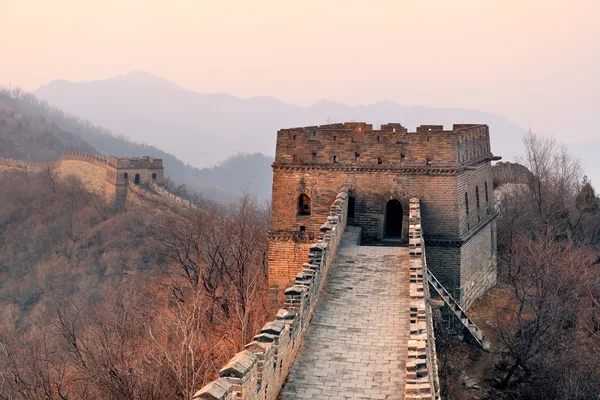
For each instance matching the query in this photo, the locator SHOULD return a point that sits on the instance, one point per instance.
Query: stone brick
(375, 166)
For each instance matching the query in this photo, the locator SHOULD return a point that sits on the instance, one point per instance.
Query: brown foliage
(144, 304)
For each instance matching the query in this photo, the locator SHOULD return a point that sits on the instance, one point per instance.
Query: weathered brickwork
(109, 177)
(381, 169)
(422, 381)
(478, 265)
(258, 372)
(507, 172)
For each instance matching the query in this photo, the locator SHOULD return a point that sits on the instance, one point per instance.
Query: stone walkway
(356, 344)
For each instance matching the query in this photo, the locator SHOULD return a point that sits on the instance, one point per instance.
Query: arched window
(137, 179)
(303, 204)
(154, 176)
(125, 176)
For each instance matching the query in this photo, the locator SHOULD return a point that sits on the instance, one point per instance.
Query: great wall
(274, 365)
(353, 212)
(357, 320)
(121, 181)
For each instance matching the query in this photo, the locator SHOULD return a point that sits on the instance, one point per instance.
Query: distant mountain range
(35, 131)
(203, 129)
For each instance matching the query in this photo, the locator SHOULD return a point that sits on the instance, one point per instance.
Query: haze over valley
(255, 200)
(203, 130)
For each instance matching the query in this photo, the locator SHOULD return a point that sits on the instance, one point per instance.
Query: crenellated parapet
(137, 195)
(421, 366)
(259, 371)
(357, 146)
(10, 163)
(104, 175)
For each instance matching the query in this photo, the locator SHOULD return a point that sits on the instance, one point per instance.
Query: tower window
(154, 176)
(356, 157)
(379, 161)
(314, 157)
(125, 176)
(303, 204)
(429, 161)
(487, 199)
(402, 157)
(335, 137)
(467, 202)
(335, 159)
(378, 139)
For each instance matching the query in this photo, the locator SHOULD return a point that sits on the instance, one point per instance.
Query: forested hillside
(242, 172)
(27, 136)
(543, 316)
(144, 303)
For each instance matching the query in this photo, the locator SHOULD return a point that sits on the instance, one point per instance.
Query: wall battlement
(259, 372)
(107, 176)
(449, 170)
(357, 144)
(422, 381)
(507, 172)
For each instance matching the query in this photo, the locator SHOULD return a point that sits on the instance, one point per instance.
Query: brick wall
(437, 166)
(258, 372)
(506, 172)
(99, 174)
(422, 381)
(372, 189)
(478, 268)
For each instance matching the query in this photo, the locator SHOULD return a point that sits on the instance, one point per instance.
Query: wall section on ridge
(259, 372)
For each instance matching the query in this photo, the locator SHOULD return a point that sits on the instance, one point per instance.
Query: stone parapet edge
(259, 372)
(422, 381)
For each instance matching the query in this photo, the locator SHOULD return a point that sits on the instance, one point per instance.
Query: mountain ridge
(75, 134)
(218, 125)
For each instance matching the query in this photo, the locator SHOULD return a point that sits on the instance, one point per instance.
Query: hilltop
(202, 129)
(25, 135)
(46, 132)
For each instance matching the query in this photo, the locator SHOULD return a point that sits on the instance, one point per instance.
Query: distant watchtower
(450, 171)
(140, 170)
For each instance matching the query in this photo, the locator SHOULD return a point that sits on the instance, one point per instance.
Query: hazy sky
(536, 62)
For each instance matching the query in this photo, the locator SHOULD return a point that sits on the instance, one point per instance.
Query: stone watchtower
(450, 171)
(139, 171)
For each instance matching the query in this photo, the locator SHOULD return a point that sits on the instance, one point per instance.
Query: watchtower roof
(358, 145)
(146, 162)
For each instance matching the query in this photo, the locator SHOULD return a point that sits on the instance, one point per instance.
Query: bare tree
(547, 282)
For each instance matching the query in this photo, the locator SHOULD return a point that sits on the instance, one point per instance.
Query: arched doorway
(351, 206)
(393, 219)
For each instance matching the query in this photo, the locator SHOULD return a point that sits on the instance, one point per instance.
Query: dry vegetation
(543, 317)
(27, 136)
(142, 304)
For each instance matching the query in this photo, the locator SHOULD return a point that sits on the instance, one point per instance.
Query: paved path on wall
(355, 347)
